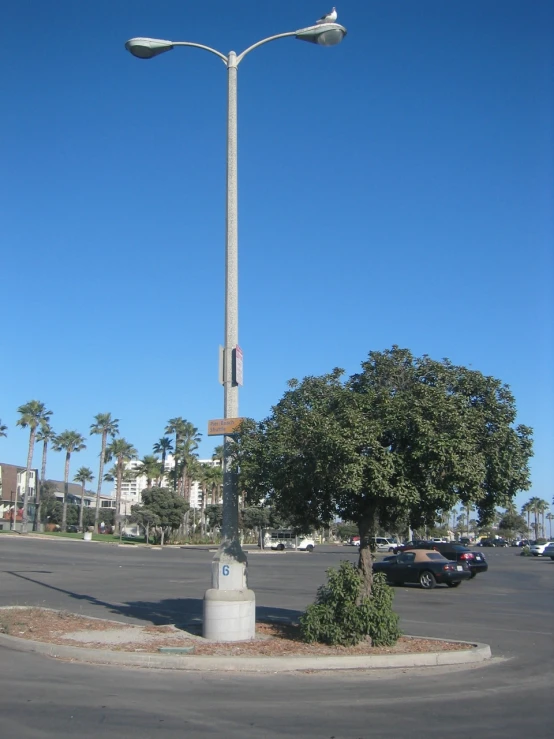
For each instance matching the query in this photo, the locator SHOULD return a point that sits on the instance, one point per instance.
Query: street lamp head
(146, 48)
(324, 34)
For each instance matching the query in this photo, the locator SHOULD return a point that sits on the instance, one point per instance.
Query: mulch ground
(272, 639)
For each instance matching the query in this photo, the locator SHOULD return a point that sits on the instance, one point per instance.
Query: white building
(131, 489)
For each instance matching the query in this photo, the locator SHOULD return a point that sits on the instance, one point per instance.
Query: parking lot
(509, 607)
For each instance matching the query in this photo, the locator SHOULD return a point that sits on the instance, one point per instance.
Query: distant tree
(122, 451)
(168, 506)
(549, 518)
(105, 426)
(70, 442)
(149, 467)
(83, 475)
(32, 415)
(214, 515)
(48, 501)
(176, 426)
(46, 434)
(3, 429)
(404, 439)
(511, 523)
(164, 447)
(145, 518)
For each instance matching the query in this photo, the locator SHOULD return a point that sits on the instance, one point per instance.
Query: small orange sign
(223, 426)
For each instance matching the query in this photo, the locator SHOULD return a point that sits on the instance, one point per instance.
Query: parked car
(458, 553)
(549, 551)
(485, 543)
(382, 544)
(464, 541)
(428, 568)
(537, 550)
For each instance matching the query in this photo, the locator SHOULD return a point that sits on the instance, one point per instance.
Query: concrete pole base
(229, 615)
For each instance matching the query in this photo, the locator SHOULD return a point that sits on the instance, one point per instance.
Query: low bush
(526, 551)
(341, 617)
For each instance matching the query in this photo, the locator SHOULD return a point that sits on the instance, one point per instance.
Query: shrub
(526, 551)
(341, 617)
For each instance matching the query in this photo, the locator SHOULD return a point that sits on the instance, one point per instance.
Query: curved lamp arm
(202, 46)
(241, 56)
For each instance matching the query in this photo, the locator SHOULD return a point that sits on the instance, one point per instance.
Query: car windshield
(435, 555)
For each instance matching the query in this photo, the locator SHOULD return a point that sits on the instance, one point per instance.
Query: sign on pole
(223, 426)
(237, 365)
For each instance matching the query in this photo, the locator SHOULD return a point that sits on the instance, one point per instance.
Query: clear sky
(394, 189)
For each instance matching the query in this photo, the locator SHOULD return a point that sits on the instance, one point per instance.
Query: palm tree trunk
(100, 480)
(118, 495)
(40, 482)
(65, 491)
(82, 504)
(27, 476)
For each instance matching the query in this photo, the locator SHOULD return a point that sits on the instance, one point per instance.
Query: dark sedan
(458, 553)
(428, 568)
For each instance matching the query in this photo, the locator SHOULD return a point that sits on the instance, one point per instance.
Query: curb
(477, 653)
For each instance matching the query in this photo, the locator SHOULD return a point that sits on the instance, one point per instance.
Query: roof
(424, 555)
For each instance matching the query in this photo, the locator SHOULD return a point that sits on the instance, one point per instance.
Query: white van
(286, 539)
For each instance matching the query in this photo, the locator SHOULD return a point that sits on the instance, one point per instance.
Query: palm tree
(3, 429)
(164, 447)
(105, 425)
(526, 511)
(84, 475)
(45, 434)
(550, 518)
(122, 451)
(189, 443)
(32, 415)
(543, 507)
(538, 506)
(70, 442)
(150, 467)
(212, 478)
(176, 426)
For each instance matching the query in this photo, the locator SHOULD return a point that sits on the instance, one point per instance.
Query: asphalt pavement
(510, 607)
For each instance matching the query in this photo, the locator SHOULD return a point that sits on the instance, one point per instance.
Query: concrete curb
(191, 662)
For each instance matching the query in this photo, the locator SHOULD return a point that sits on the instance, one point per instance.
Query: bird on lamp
(328, 17)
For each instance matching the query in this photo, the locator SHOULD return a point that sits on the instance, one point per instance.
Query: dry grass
(272, 639)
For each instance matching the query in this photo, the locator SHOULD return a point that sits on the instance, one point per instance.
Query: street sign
(237, 369)
(223, 426)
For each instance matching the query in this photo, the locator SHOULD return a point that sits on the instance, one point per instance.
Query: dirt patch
(272, 639)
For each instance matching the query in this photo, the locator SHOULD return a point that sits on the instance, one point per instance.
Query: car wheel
(472, 575)
(391, 549)
(310, 548)
(280, 547)
(454, 584)
(427, 580)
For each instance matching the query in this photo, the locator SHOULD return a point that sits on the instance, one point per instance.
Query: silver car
(538, 550)
(549, 551)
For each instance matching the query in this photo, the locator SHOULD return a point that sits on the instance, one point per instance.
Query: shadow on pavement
(183, 612)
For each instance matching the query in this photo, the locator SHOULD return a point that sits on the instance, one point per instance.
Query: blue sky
(395, 189)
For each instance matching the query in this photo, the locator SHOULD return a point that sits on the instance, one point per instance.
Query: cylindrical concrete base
(87, 536)
(229, 615)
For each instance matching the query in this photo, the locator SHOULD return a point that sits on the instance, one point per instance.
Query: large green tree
(32, 415)
(69, 442)
(405, 438)
(105, 426)
(83, 475)
(122, 451)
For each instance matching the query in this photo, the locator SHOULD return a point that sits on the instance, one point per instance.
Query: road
(510, 607)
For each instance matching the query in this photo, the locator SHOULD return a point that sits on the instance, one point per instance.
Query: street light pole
(229, 606)
(230, 388)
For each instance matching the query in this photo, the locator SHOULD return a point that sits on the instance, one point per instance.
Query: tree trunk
(65, 491)
(82, 504)
(27, 476)
(39, 483)
(366, 529)
(119, 479)
(100, 480)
